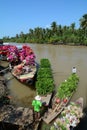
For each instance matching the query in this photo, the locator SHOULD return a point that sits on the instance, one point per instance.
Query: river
(62, 59)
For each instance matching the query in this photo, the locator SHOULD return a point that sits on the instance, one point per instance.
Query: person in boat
(37, 104)
(18, 69)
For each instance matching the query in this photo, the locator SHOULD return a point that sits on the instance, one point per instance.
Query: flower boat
(8, 51)
(62, 98)
(21, 62)
(3, 52)
(70, 116)
(25, 73)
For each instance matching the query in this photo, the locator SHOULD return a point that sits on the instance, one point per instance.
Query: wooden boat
(25, 73)
(62, 98)
(70, 116)
(56, 109)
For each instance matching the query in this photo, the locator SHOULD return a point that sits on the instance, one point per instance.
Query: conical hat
(38, 97)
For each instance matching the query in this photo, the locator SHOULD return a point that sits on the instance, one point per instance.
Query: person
(74, 70)
(37, 104)
(18, 69)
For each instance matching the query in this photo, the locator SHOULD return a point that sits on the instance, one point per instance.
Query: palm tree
(83, 24)
(72, 26)
(31, 31)
(54, 27)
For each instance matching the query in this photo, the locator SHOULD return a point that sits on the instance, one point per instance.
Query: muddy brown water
(62, 59)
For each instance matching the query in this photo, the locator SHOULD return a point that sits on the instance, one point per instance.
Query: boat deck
(46, 98)
(53, 113)
(28, 75)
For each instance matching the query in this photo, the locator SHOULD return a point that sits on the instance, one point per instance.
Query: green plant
(67, 87)
(45, 82)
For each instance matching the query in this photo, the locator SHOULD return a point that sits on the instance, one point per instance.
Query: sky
(18, 16)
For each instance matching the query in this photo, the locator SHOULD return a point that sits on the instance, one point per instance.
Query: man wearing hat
(37, 104)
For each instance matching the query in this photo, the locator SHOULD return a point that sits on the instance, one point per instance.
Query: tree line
(55, 34)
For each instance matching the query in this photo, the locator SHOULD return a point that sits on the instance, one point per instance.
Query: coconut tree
(83, 24)
(54, 27)
(72, 26)
(31, 31)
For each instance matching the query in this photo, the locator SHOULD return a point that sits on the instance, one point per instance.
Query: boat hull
(26, 77)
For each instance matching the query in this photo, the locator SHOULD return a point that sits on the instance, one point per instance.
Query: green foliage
(44, 73)
(45, 82)
(66, 34)
(44, 86)
(66, 88)
(45, 63)
(60, 127)
(52, 128)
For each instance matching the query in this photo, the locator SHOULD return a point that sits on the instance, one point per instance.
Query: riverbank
(18, 116)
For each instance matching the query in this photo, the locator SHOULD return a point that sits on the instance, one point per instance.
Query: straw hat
(38, 98)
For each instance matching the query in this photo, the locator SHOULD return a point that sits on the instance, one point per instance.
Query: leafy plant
(67, 87)
(45, 63)
(45, 82)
